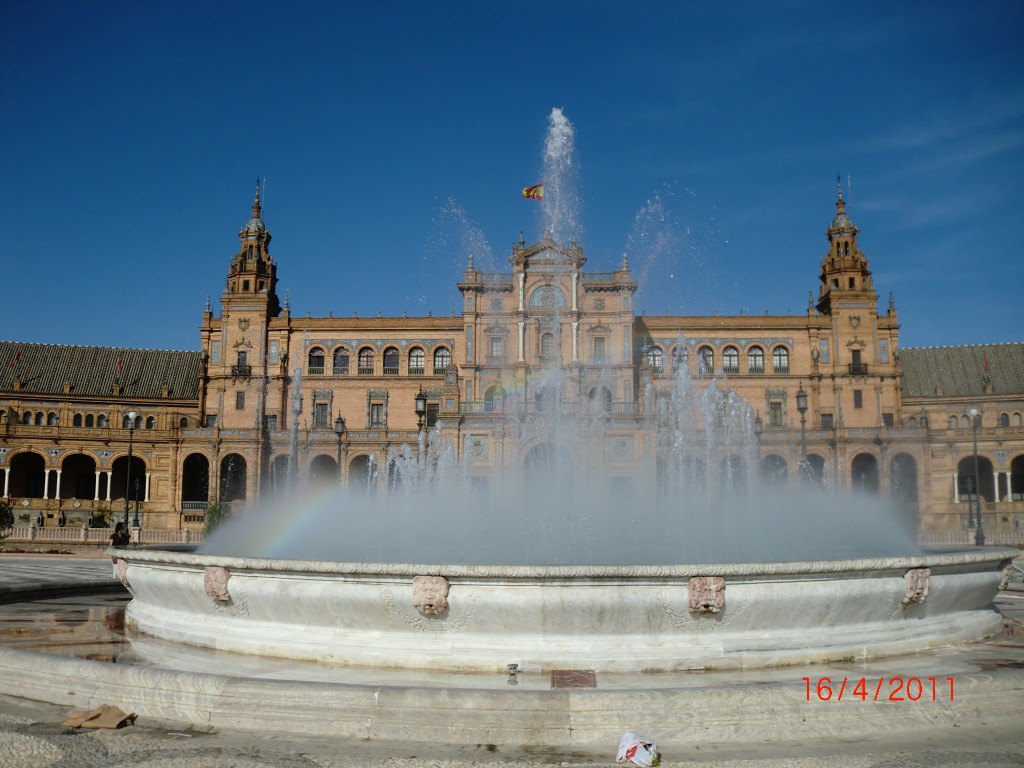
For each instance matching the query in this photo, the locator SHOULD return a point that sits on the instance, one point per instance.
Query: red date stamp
(882, 689)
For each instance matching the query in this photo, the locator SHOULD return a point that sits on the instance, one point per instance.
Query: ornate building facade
(270, 396)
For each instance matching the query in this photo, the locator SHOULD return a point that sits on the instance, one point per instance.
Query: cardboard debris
(637, 750)
(104, 716)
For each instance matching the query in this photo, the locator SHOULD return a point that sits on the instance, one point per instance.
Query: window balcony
(315, 370)
(495, 360)
(755, 369)
(858, 369)
(440, 370)
(730, 369)
(365, 371)
(390, 370)
(781, 369)
(341, 371)
(416, 370)
(241, 371)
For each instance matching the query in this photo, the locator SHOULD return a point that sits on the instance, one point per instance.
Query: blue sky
(132, 134)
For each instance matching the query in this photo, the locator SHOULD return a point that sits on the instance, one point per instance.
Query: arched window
(705, 361)
(1004, 419)
(547, 346)
(965, 422)
(731, 360)
(417, 361)
(755, 360)
(316, 362)
(150, 422)
(341, 361)
(680, 358)
(26, 418)
(39, 419)
(77, 420)
(391, 361)
(494, 398)
(1016, 420)
(924, 421)
(913, 421)
(780, 359)
(365, 362)
(953, 422)
(600, 400)
(102, 422)
(126, 422)
(442, 359)
(547, 297)
(656, 358)
(51, 419)
(88, 420)
(183, 423)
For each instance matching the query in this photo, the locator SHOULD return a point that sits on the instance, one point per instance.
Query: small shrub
(100, 518)
(6, 519)
(215, 515)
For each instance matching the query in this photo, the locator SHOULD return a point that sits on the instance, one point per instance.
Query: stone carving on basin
(918, 584)
(707, 594)
(430, 595)
(215, 583)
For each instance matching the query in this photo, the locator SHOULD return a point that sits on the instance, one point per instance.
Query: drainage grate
(573, 678)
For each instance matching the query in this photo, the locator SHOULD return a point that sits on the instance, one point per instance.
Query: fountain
(562, 565)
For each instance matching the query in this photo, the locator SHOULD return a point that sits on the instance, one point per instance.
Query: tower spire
(256, 209)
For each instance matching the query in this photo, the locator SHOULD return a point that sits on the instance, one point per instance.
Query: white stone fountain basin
(542, 618)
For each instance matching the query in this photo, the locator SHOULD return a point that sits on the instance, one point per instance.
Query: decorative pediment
(547, 255)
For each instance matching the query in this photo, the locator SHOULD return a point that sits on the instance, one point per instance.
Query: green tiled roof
(960, 371)
(42, 369)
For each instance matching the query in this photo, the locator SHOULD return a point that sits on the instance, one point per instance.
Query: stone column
(148, 476)
(46, 484)
(109, 475)
(575, 338)
(56, 494)
(522, 290)
(7, 482)
(956, 487)
(575, 290)
(522, 341)
(96, 495)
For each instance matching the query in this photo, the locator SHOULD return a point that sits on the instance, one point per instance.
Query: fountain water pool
(609, 618)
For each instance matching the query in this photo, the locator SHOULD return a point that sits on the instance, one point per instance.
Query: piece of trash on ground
(638, 750)
(103, 716)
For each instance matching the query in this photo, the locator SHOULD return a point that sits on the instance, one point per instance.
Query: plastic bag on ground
(638, 750)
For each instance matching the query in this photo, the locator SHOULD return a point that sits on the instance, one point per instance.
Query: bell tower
(252, 276)
(844, 269)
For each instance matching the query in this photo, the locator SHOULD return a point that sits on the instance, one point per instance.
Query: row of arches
(77, 477)
(1003, 420)
(366, 357)
(599, 399)
(754, 354)
(90, 420)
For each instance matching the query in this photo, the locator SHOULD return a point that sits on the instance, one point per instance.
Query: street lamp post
(421, 410)
(339, 430)
(979, 534)
(135, 522)
(128, 474)
(801, 405)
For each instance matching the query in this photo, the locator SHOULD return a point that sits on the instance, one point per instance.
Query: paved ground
(31, 734)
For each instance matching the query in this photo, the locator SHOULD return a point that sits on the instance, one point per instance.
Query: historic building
(271, 396)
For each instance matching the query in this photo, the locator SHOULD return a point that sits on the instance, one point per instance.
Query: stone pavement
(31, 734)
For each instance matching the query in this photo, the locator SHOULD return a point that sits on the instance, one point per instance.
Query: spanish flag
(536, 192)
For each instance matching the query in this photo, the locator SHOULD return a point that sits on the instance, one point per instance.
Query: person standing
(118, 540)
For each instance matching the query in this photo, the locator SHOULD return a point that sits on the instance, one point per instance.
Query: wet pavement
(91, 627)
